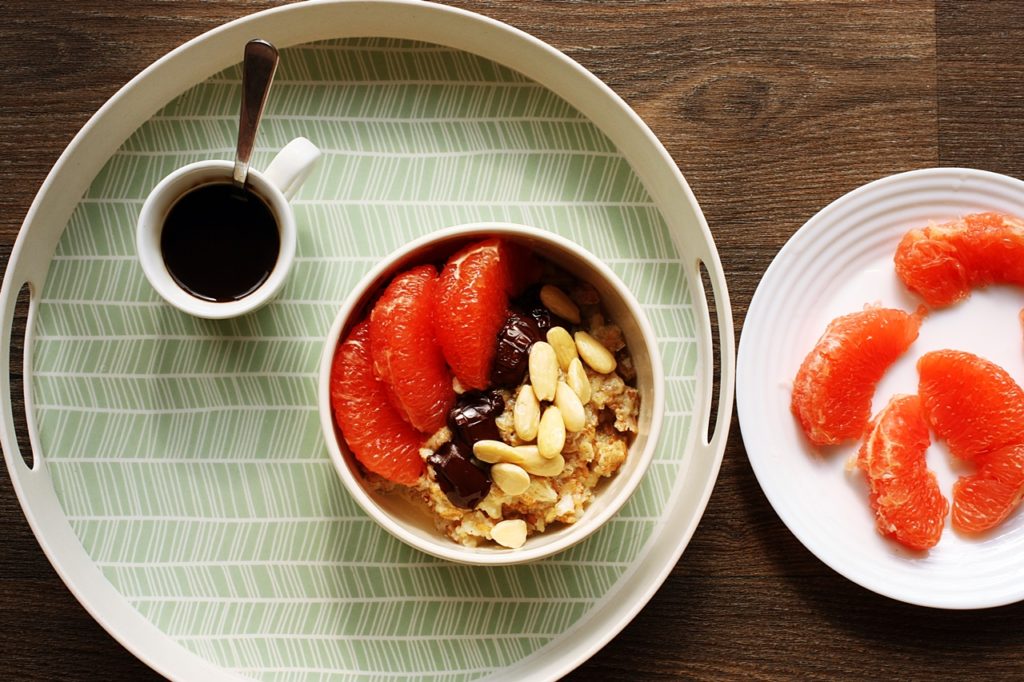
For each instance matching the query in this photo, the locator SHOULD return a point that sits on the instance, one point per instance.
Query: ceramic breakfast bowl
(412, 524)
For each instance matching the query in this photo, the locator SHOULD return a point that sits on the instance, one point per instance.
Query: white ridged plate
(840, 260)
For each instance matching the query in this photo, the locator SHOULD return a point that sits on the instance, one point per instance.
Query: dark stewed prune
(545, 319)
(462, 481)
(529, 301)
(472, 417)
(516, 337)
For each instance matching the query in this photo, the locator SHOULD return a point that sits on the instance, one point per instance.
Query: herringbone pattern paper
(187, 454)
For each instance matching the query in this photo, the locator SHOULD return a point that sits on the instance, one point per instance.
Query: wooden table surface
(771, 110)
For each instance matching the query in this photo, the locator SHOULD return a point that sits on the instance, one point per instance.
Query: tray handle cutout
(723, 349)
(17, 310)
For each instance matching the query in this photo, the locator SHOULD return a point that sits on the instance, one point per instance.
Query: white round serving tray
(839, 261)
(691, 460)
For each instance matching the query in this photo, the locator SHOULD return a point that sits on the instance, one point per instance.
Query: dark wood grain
(771, 110)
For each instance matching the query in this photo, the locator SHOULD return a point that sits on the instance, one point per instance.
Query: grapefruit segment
(373, 429)
(833, 389)
(405, 354)
(472, 301)
(942, 263)
(971, 403)
(984, 499)
(904, 494)
(978, 409)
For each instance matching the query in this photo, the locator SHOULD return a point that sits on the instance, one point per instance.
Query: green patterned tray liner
(187, 454)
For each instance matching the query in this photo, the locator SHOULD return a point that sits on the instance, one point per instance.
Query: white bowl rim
(443, 547)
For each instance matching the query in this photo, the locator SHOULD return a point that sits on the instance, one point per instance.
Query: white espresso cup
(275, 186)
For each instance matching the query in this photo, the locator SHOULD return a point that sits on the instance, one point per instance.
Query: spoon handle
(257, 73)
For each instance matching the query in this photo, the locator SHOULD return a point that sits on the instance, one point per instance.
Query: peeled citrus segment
(472, 301)
(942, 263)
(986, 498)
(833, 389)
(971, 403)
(405, 354)
(904, 494)
(374, 431)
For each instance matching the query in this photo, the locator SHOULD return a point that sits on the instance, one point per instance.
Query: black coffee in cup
(220, 242)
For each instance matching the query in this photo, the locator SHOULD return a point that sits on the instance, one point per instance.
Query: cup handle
(292, 166)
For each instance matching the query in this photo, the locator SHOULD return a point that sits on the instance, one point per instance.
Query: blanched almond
(543, 466)
(556, 300)
(526, 413)
(551, 433)
(578, 380)
(568, 403)
(494, 451)
(543, 370)
(510, 533)
(526, 456)
(511, 478)
(565, 347)
(594, 354)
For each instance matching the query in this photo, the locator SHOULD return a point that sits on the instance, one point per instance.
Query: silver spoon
(257, 74)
